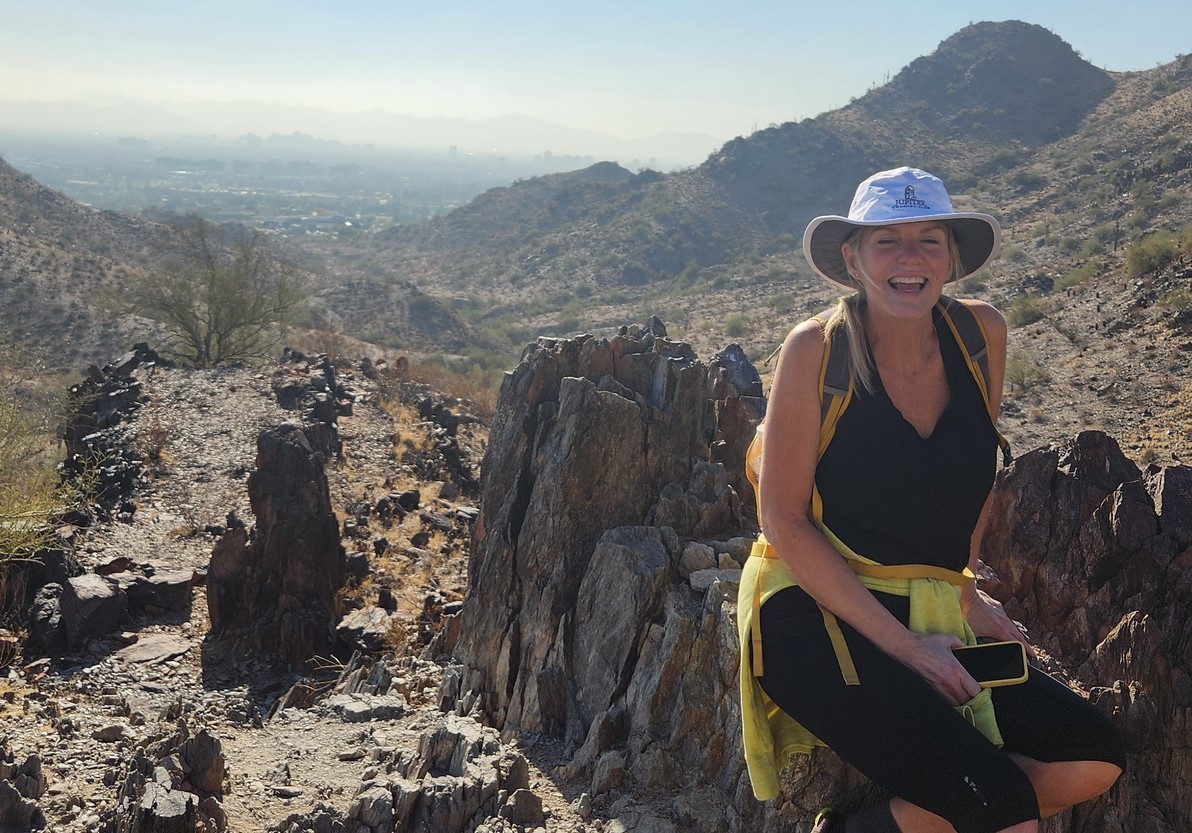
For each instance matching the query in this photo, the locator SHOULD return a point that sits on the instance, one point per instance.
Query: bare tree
(224, 298)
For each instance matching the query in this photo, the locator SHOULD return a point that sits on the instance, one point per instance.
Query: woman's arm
(983, 612)
(789, 459)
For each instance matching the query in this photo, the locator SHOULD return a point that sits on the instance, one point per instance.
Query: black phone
(994, 664)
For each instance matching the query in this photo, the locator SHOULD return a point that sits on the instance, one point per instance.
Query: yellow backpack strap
(969, 333)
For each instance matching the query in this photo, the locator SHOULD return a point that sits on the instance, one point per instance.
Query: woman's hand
(933, 661)
(986, 617)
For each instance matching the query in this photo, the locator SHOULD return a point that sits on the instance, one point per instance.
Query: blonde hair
(850, 312)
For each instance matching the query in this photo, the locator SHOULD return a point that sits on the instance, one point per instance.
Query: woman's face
(902, 268)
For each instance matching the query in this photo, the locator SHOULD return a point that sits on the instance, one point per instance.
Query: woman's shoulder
(990, 317)
(805, 341)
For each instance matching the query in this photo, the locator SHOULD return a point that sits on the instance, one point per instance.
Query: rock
(701, 580)
(524, 808)
(366, 629)
(152, 586)
(362, 708)
(46, 630)
(18, 812)
(279, 589)
(553, 428)
(609, 773)
(91, 606)
(696, 556)
(1078, 550)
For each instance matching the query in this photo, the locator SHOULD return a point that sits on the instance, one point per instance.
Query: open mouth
(908, 284)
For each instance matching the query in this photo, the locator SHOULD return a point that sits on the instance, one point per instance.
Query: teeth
(915, 281)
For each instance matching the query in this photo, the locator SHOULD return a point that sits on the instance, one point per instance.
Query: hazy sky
(629, 69)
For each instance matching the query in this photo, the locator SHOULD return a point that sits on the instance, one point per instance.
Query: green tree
(224, 297)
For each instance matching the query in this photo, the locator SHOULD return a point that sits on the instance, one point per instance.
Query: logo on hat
(909, 200)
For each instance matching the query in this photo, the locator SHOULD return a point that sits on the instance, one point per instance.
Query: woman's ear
(850, 259)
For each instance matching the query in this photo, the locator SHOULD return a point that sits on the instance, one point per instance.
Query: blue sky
(627, 69)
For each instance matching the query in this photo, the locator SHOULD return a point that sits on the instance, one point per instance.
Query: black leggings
(902, 735)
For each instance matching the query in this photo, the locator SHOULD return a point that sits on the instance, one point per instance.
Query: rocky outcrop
(460, 775)
(1095, 557)
(101, 457)
(174, 786)
(578, 623)
(310, 385)
(277, 586)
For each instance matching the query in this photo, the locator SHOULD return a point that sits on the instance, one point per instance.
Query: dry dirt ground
(85, 714)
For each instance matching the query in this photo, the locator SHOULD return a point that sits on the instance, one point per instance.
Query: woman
(858, 657)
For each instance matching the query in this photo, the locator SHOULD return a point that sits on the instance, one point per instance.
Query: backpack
(837, 378)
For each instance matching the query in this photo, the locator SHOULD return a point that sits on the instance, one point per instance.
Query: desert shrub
(1079, 274)
(1024, 310)
(29, 496)
(736, 324)
(1177, 300)
(223, 298)
(782, 302)
(1023, 370)
(1013, 253)
(1151, 253)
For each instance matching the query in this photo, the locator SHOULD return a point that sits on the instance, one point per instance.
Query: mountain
(989, 96)
(508, 135)
(1076, 162)
(64, 268)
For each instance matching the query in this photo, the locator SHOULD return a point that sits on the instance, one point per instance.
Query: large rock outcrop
(601, 610)
(1095, 557)
(277, 587)
(578, 623)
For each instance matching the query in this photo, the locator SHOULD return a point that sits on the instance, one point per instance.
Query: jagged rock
(311, 387)
(46, 631)
(18, 812)
(1094, 558)
(523, 808)
(562, 416)
(27, 777)
(100, 452)
(279, 588)
(452, 783)
(173, 786)
(91, 606)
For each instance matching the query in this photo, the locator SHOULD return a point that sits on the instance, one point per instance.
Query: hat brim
(978, 236)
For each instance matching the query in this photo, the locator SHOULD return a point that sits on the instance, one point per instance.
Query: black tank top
(898, 498)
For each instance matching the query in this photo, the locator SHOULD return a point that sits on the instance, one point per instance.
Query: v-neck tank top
(897, 497)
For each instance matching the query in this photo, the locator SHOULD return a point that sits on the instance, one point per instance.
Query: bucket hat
(900, 195)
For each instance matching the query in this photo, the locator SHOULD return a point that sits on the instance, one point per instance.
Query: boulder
(91, 606)
(277, 588)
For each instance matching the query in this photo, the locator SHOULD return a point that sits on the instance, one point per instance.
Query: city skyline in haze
(624, 70)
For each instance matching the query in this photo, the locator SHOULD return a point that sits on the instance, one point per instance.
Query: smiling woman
(873, 496)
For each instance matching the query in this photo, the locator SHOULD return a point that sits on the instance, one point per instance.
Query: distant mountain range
(511, 135)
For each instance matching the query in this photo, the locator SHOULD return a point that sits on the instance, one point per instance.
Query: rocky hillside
(296, 603)
(65, 270)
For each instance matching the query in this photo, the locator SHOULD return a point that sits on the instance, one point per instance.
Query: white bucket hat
(901, 195)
